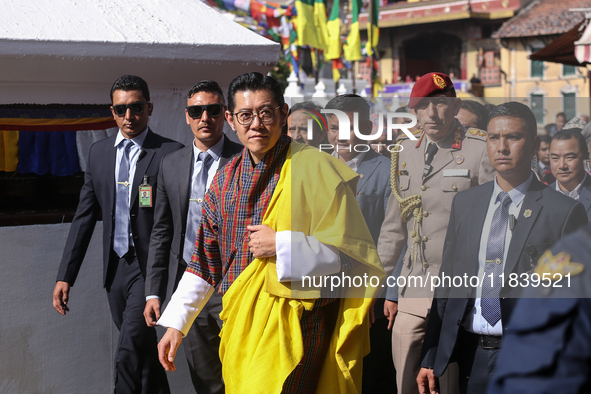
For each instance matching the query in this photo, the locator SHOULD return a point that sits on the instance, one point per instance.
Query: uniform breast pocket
(403, 182)
(455, 183)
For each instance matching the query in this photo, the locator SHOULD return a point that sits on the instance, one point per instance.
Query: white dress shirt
(474, 321)
(575, 193)
(134, 154)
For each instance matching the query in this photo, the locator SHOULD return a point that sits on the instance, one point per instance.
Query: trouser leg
(137, 369)
(202, 345)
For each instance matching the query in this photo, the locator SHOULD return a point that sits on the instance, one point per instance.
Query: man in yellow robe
(276, 214)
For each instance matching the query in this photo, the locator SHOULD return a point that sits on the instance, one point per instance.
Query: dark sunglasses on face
(196, 111)
(136, 108)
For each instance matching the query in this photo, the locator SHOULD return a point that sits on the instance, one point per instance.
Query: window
(537, 107)
(569, 105)
(568, 70)
(537, 67)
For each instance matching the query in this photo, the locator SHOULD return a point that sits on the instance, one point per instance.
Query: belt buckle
(482, 344)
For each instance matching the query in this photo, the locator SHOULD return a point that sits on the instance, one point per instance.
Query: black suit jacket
(170, 218)
(98, 194)
(550, 215)
(584, 197)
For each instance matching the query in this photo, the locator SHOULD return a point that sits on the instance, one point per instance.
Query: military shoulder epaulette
(403, 136)
(474, 132)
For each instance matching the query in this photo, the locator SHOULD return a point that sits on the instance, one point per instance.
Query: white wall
(42, 351)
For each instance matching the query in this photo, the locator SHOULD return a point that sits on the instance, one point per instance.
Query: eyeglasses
(196, 111)
(135, 108)
(265, 115)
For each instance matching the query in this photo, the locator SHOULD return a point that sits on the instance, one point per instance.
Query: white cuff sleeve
(313, 257)
(190, 297)
(151, 297)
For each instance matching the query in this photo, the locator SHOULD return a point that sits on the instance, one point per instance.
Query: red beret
(429, 84)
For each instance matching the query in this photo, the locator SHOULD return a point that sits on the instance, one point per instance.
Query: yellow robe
(261, 340)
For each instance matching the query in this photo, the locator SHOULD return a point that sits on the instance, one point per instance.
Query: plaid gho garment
(238, 197)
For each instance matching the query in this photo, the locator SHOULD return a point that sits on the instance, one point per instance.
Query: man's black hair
(208, 87)
(479, 110)
(131, 82)
(545, 138)
(254, 82)
(305, 105)
(568, 134)
(350, 103)
(513, 109)
(563, 116)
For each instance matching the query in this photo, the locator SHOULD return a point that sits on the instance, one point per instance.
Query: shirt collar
(576, 192)
(354, 162)
(517, 194)
(443, 141)
(215, 151)
(139, 140)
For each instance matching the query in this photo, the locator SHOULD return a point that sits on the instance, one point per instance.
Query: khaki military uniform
(460, 163)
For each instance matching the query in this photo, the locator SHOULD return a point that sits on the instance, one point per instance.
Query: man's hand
(167, 348)
(390, 310)
(152, 311)
(262, 241)
(427, 382)
(61, 294)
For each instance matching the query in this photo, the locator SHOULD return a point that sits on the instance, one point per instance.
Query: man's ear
(457, 105)
(150, 109)
(537, 143)
(230, 120)
(284, 111)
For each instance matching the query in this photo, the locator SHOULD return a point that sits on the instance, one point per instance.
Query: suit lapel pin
(527, 213)
(459, 159)
(361, 176)
(403, 164)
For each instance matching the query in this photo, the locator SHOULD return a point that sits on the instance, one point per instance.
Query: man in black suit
(171, 240)
(496, 233)
(117, 166)
(568, 152)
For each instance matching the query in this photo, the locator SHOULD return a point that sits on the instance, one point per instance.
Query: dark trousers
(202, 348)
(137, 369)
(476, 364)
(379, 375)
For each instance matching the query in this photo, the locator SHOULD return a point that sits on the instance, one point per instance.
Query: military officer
(447, 158)
(547, 349)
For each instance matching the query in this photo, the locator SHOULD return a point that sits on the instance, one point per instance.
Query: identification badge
(457, 172)
(145, 194)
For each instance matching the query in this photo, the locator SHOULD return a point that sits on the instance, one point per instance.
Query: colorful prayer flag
(333, 27)
(352, 47)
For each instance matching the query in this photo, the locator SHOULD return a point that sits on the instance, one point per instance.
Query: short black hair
(305, 105)
(131, 82)
(479, 110)
(513, 109)
(561, 114)
(402, 109)
(568, 134)
(206, 86)
(545, 138)
(254, 82)
(350, 103)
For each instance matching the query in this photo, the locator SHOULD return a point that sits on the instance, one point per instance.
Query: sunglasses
(196, 111)
(135, 108)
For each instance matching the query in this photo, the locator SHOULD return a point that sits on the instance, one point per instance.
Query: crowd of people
(218, 245)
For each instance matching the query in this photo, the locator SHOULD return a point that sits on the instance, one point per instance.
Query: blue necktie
(195, 203)
(121, 238)
(495, 251)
